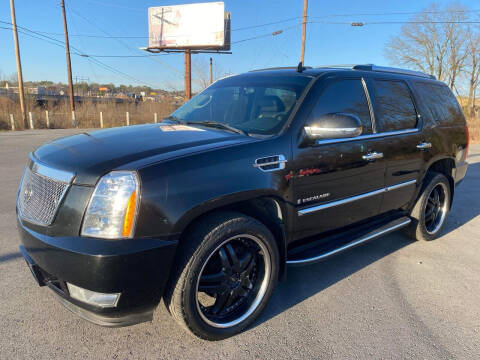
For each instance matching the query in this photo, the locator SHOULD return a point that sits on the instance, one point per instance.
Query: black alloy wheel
(232, 281)
(224, 274)
(430, 211)
(436, 208)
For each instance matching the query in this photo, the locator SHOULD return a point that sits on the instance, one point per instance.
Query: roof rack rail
(371, 67)
(347, 66)
(280, 68)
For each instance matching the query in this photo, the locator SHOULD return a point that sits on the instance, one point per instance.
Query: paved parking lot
(391, 298)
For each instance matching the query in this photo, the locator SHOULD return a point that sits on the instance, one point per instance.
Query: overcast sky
(326, 43)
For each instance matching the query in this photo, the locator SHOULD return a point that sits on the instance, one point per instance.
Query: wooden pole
(47, 118)
(211, 72)
(127, 116)
(12, 122)
(155, 118)
(188, 75)
(30, 117)
(69, 64)
(304, 31)
(21, 94)
(101, 119)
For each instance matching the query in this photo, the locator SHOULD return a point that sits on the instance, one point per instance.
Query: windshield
(252, 104)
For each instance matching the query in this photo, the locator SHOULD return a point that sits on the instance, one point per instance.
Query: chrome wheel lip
(261, 291)
(443, 209)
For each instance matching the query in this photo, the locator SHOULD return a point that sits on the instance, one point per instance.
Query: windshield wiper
(174, 119)
(218, 125)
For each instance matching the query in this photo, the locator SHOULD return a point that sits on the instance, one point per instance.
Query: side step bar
(382, 230)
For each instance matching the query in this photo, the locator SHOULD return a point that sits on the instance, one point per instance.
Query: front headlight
(112, 209)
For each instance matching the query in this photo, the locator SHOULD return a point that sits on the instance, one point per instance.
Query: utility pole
(211, 72)
(304, 30)
(69, 65)
(188, 75)
(21, 94)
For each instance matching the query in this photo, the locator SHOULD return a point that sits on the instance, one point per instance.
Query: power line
(60, 43)
(109, 36)
(275, 33)
(45, 37)
(361, 23)
(421, 22)
(124, 56)
(267, 24)
(395, 13)
(77, 52)
(121, 42)
(147, 37)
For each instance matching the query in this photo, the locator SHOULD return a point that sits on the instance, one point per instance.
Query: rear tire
(431, 209)
(224, 274)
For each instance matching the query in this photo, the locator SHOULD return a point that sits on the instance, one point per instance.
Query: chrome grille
(40, 195)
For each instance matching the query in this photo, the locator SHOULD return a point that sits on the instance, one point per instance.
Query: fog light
(92, 297)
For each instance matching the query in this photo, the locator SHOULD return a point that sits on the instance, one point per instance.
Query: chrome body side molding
(379, 232)
(369, 136)
(354, 198)
(398, 186)
(339, 202)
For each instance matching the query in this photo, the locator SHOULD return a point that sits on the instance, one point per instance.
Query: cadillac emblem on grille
(28, 193)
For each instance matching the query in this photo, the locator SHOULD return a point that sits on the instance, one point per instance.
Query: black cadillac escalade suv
(259, 171)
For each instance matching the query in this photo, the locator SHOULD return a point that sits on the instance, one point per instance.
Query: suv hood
(93, 154)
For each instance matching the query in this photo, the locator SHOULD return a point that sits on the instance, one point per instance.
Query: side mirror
(333, 126)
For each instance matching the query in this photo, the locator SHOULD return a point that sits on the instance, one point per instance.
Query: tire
(205, 270)
(423, 227)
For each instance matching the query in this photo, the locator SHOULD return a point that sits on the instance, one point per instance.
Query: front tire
(431, 209)
(224, 275)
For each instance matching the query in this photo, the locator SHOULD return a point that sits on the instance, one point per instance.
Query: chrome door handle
(372, 156)
(424, 145)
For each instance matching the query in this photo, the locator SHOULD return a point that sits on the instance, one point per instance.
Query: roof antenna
(300, 67)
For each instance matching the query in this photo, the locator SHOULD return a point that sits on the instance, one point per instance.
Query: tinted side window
(344, 96)
(441, 103)
(394, 109)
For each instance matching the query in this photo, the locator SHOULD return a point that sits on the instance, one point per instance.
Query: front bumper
(136, 268)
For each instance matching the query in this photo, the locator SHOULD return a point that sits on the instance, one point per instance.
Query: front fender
(226, 202)
(177, 191)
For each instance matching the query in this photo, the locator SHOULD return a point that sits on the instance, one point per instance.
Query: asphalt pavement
(392, 298)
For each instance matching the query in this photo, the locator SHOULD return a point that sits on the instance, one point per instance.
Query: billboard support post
(190, 29)
(188, 75)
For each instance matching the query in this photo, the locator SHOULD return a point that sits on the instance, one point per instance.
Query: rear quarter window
(394, 109)
(442, 106)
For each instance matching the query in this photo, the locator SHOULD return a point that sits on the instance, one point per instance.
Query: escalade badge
(313, 198)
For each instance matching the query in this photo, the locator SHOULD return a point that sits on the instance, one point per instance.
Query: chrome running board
(382, 230)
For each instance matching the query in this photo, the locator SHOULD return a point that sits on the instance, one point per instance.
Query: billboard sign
(191, 26)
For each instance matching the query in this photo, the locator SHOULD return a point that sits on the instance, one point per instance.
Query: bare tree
(201, 72)
(473, 68)
(434, 42)
(456, 36)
